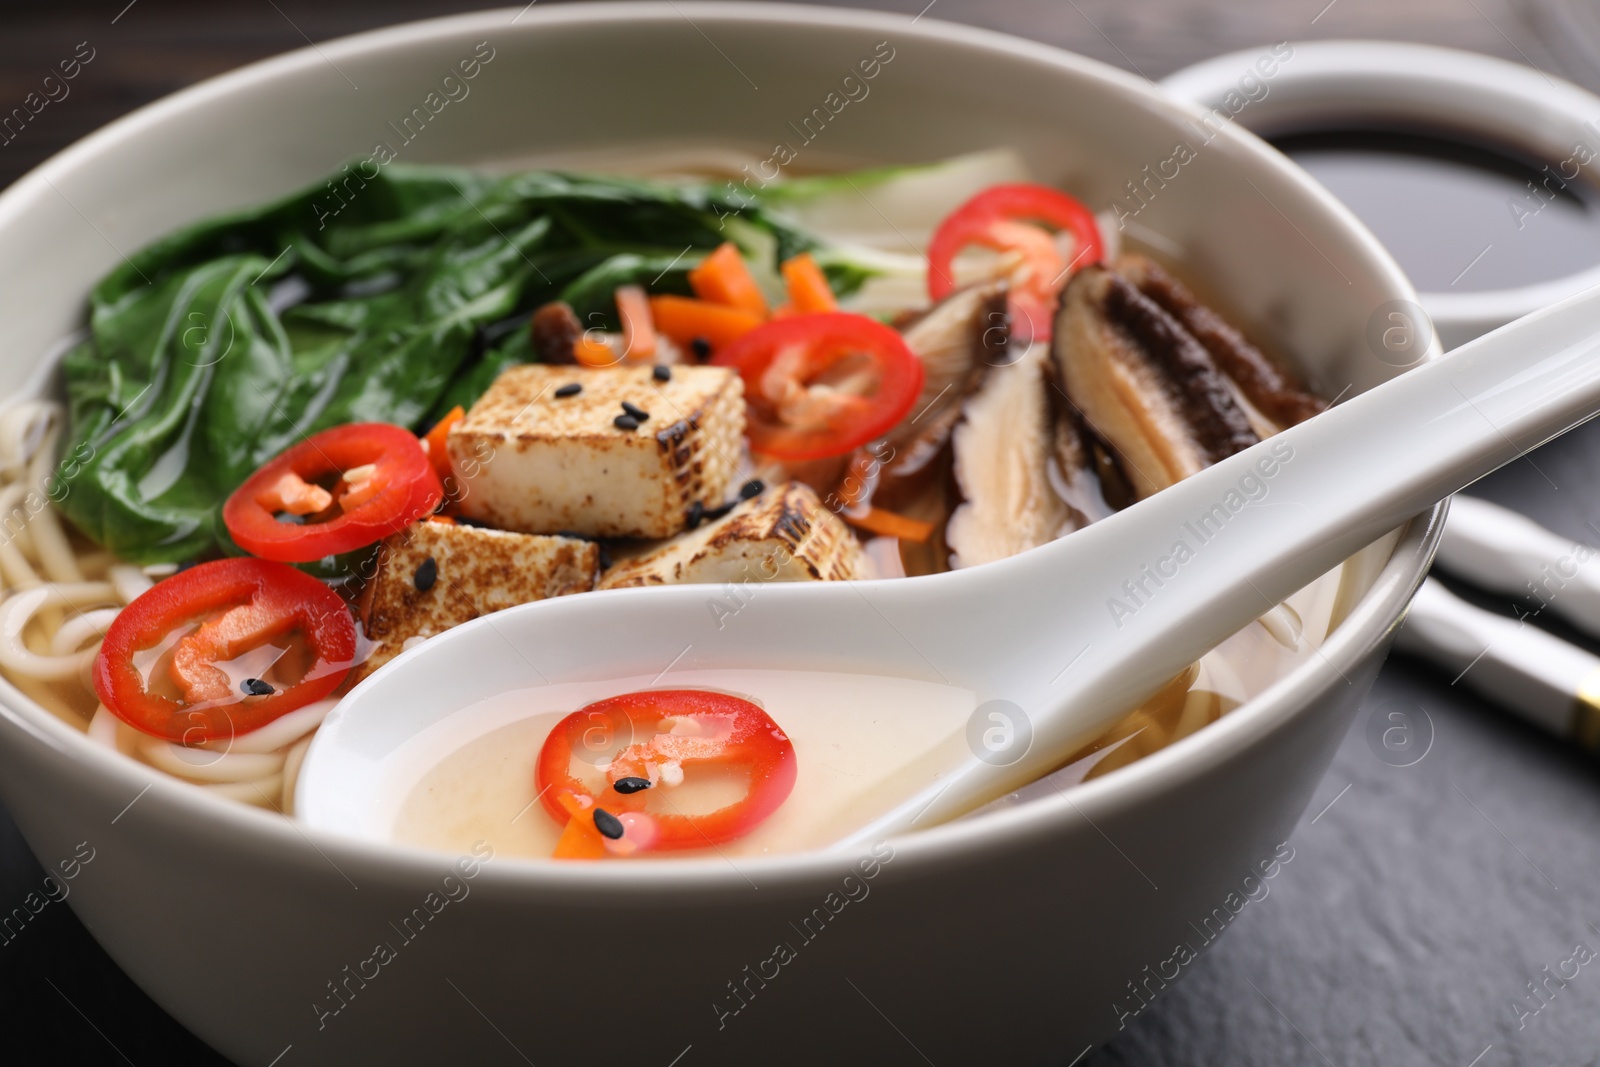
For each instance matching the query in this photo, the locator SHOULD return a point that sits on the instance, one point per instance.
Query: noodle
(260, 792)
(291, 774)
(19, 610)
(103, 728)
(203, 765)
(71, 635)
(279, 733)
(58, 601)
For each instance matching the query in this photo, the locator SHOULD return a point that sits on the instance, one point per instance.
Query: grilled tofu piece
(531, 460)
(434, 575)
(785, 534)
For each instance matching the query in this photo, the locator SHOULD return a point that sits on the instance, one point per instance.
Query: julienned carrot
(295, 495)
(890, 524)
(687, 321)
(638, 327)
(580, 840)
(808, 287)
(722, 278)
(592, 353)
(438, 456)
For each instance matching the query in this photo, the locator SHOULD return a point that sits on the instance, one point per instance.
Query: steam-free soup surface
(862, 743)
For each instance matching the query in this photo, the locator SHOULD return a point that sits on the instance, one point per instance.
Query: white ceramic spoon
(1073, 634)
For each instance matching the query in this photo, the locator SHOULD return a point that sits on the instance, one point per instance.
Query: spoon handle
(1098, 621)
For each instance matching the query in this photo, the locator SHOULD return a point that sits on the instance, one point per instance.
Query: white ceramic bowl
(1021, 936)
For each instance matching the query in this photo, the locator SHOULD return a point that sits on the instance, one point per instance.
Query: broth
(861, 742)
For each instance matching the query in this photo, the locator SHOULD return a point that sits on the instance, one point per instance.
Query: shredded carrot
(686, 321)
(722, 278)
(443, 520)
(808, 287)
(580, 841)
(353, 492)
(890, 524)
(295, 495)
(638, 327)
(593, 353)
(434, 442)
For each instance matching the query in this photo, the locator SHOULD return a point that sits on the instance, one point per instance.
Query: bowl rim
(1368, 624)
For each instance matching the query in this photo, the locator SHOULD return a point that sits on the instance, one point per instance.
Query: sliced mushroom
(555, 331)
(1002, 452)
(1143, 384)
(1270, 388)
(957, 340)
(1075, 465)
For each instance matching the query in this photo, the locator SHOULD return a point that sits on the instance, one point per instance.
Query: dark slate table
(1424, 903)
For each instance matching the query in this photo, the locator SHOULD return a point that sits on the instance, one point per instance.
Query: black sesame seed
(720, 510)
(697, 514)
(661, 372)
(635, 410)
(255, 687)
(427, 574)
(701, 348)
(625, 422)
(608, 824)
(754, 487)
(630, 784)
(570, 389)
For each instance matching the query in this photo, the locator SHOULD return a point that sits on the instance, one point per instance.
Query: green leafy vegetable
(214, 349)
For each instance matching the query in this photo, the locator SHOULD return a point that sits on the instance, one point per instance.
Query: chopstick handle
(1501, 551)
(1531, 673)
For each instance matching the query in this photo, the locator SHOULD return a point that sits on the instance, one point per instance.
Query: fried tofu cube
(535, 456)
(435, 575)
(785, 534)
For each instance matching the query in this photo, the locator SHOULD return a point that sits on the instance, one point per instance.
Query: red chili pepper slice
(344, 488)
(665, 735)
(1005, 218)
(820, 385)
(164, 667)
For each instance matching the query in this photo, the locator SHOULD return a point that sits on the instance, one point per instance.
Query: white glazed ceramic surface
(1018, 938)
(1326, 84)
